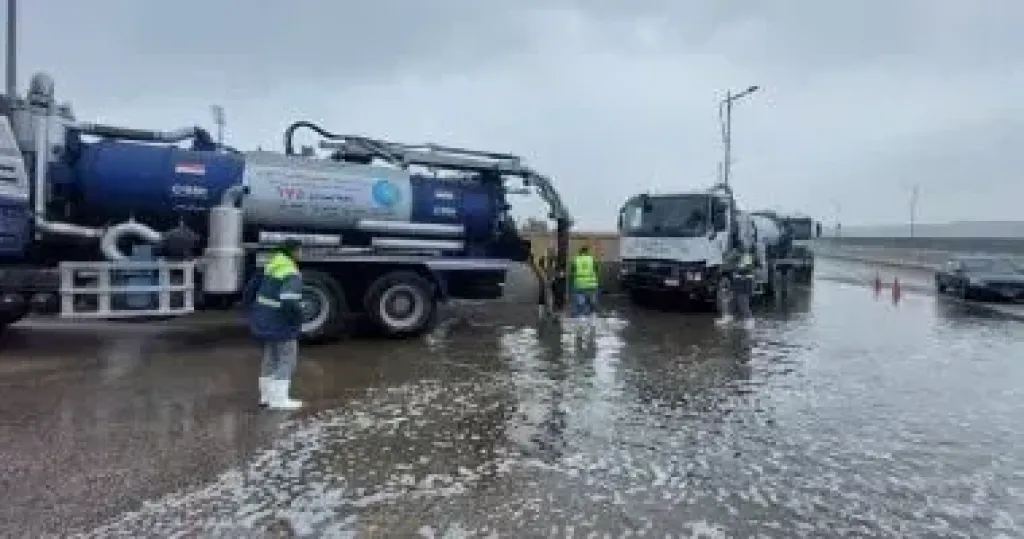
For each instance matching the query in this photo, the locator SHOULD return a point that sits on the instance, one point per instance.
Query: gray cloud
(859, 98)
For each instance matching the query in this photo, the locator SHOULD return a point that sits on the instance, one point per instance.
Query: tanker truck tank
(161, 183)
(297, 192)
(768, 230)
(116, 178)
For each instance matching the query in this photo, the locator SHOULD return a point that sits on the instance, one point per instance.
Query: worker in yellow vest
(739, 265)
(585, 284)
(274, 300)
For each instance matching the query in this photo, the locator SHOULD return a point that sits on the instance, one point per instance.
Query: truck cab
(673, 245)
(798, 255)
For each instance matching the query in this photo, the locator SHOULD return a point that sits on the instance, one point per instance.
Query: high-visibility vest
(277, 269)
(584, 272)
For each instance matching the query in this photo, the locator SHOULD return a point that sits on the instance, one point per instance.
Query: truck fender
(440, 285)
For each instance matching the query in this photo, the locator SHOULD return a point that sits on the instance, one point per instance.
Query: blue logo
(385, 194)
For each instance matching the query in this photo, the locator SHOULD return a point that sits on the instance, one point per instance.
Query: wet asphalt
(841, 414)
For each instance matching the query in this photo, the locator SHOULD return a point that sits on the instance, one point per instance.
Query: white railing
(95, 289)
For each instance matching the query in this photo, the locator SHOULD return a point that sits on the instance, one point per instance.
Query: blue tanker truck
(105, 222)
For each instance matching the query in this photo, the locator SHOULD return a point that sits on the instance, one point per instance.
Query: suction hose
(113, 235)
(378, 148)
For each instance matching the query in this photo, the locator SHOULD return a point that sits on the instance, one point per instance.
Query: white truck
(672, 246)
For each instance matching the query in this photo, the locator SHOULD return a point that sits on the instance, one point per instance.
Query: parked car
(985, 278)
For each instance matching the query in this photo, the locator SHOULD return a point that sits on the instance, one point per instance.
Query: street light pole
(218, 120)
(838, 212)
(914, 191)
(725, 117)
(12, 49)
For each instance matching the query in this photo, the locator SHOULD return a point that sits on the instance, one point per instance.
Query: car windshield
(990, 265)
(672, 216)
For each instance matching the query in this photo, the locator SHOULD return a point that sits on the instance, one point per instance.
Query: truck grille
(662, 268)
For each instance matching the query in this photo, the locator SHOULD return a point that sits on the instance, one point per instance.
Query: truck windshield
(803, 229)
(668, 216)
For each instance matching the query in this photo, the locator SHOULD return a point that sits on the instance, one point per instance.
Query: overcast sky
(860, 99)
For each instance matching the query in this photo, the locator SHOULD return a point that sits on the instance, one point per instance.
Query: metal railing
(106, 289)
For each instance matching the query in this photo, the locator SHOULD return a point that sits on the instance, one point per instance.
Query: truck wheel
(15, 308)
(401, 303)
(9, 321)
(324, 310)
(641, 298)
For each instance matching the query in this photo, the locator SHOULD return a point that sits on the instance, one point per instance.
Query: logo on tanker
(385, 194)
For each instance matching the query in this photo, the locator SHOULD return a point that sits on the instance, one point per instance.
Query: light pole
(218, 120)
(725, 118)
(12, 49)
(837, 211)
(914, 191)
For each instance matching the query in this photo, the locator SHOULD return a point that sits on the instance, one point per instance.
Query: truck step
(126, 289)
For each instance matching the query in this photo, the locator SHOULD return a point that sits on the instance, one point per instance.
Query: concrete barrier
(917, 253)
(1010, 246)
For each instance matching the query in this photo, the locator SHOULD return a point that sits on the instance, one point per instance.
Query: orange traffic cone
(896, 292)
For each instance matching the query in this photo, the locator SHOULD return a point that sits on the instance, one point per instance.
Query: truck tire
(9, 321)
(640, 298)
(14, 313)
(401, 304)
(324, 310)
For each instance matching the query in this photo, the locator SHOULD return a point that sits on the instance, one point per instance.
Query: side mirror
(719, 221)
(645, 203)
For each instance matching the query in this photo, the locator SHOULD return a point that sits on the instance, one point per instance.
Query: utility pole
(914, 192)
(838, 210)
(725, 119)
(218, 119)
(12, 49)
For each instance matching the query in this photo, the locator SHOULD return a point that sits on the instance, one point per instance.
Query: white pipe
(413, 243)
(42, 151)
(114, 234)
(412, 229)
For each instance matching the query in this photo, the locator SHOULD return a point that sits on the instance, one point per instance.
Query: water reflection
(832, 418)
(684, 362)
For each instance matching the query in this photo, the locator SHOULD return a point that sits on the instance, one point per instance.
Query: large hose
(376, 147)
(544, 298)
(113, 235)
(202, 140)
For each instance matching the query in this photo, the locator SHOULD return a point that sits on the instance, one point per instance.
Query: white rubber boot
(279, 396)
(725, 320)
(264, 390)
(748, 323)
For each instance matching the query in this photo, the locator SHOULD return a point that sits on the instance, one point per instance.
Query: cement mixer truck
(106, 222)
(672, 246)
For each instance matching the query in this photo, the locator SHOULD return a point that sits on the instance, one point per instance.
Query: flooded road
(842, 414)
